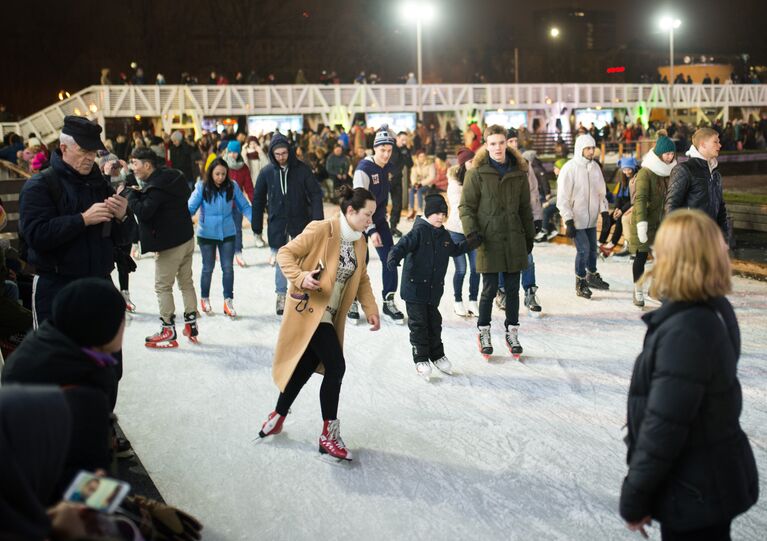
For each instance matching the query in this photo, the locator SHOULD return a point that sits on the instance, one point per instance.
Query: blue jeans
(421, 191)
(586, 251)
(389, 276)
(280, 282)
(226, 256)
(460, 271)
(528, 275)
(237, 217)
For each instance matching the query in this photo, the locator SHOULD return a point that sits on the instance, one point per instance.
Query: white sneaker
(443, 365)
(540, 236)
(423, 369)
(473, 308)
(459, 309)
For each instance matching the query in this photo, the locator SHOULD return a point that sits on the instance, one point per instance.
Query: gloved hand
(529, 243)
(570, 224)
(538, 225)
(391, 262)
(161, 522)
(473, 240)
(642, 232)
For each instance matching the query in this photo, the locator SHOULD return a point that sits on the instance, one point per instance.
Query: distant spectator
(181, 157)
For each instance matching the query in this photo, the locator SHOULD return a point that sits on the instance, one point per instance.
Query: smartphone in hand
(100, 493)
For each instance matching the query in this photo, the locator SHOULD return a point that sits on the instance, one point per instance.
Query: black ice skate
(391, 311)
(582, 288)
(595, 281)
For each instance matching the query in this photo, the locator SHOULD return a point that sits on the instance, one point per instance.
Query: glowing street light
(554, 32)
(420, 12)
(669, 24)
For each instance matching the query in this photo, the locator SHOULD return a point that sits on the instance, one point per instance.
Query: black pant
(617, 232)
(717, 532)
(323, 347)
(639, 262)
(489, 289)
(396, 201)
(123, 272)
(425, 324)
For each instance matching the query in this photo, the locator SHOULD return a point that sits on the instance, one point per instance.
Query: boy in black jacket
(427, 248)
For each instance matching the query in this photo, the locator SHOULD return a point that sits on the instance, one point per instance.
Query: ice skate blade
(536, 315)
(446, 372)
(167, 345)
(396, 321)
(354, 321)
(330, 459)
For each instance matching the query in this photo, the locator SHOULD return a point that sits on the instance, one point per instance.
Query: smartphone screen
(100, 493)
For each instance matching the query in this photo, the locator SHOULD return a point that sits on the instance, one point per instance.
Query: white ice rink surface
(501, 450)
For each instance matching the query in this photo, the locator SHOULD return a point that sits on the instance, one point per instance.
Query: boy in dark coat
(427, 248)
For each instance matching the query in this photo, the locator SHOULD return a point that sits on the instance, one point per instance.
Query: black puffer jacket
(427, 251)
(690, 464)
(162, 210)
(693, 185)
(49, 357)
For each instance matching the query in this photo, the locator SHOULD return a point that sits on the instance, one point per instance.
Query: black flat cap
(87, 134)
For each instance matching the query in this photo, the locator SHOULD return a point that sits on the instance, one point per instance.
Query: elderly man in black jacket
(165, 227)
(697, 183)
(294, 198)
(70, 217)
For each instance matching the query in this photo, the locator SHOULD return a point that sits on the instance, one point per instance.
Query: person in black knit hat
(427, 248)
(76, 346)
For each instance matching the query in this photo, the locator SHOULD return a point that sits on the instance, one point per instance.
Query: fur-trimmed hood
(482, 157)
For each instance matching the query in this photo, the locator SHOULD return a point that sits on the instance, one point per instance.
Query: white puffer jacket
(581, 188)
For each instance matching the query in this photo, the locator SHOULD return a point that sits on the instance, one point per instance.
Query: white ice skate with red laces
(331, 443)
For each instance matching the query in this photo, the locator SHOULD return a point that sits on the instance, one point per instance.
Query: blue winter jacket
(215, 221)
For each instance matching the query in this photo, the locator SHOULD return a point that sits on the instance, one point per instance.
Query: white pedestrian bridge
(338, 103)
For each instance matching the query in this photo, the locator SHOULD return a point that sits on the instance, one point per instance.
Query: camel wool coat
(321, 240)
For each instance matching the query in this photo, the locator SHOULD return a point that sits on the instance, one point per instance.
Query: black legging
(122, 271)
(607, 225)
(639, 262)
(323, 347)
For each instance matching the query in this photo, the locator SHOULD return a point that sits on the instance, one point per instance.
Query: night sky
(47, 47)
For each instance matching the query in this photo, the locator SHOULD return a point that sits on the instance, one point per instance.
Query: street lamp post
(422, 12)
(670, 24)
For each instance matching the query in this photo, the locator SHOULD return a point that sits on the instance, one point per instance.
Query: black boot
(582, 288)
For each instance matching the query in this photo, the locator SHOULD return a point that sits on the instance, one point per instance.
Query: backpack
(53, 184)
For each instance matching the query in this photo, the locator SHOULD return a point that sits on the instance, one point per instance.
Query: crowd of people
(91, 207)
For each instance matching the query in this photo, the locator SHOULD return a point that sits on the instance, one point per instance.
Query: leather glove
(161, 522)
(538, 225)
(570, 225)
(473, 240)
(642, 232)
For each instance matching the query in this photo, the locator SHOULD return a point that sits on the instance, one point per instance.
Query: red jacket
(242, 177)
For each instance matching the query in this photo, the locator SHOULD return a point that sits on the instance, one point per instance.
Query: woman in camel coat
(326, 268)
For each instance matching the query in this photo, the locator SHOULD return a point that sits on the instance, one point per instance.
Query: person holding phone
(312, 331)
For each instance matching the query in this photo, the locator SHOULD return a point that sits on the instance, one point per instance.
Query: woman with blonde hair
(691, 466)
